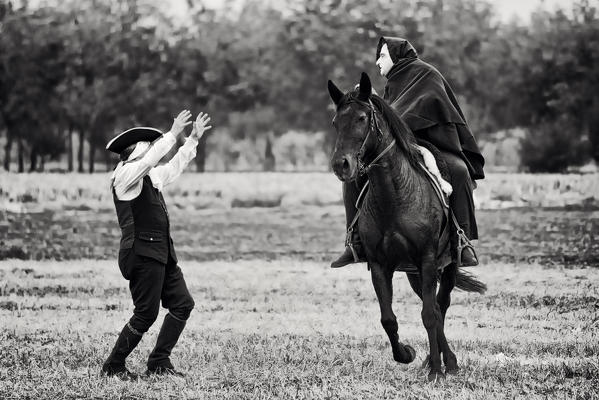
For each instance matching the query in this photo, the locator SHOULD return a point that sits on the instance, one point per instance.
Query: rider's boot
(466, 254)
(469, 258)
(354, 251)
(462, 206)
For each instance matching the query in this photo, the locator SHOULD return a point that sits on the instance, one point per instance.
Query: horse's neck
(393, 180)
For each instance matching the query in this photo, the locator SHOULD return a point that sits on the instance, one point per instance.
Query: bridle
(373, 126)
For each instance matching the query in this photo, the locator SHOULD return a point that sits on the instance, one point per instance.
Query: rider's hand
(200, 125)
(180, 122)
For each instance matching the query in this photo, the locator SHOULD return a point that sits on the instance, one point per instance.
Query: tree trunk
(42, 163)
(108, 161)
(70, 147)
(437, 11)
(269, 157)
(20, 155)
(201, 155)
(92, 155)
(80, 153)
(7, 149)
(593, 131)
(33, 159)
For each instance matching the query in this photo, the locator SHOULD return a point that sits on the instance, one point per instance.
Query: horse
(402, 219)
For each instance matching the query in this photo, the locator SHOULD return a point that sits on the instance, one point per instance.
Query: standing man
(147, 256)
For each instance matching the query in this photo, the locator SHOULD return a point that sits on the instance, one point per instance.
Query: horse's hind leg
(383, 286)
(448, 278)
(416, 284)
(431, 315)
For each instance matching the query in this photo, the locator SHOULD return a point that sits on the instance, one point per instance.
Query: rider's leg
(351, 192)
(461, 200)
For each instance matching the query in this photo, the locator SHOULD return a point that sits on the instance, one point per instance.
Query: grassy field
(296, 329)
(272, 320)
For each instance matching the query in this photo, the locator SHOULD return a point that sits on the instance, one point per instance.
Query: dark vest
(145, 225)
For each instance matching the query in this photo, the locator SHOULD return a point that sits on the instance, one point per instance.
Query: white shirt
(127, 178)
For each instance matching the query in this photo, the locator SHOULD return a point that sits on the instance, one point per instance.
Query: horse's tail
(467, 282)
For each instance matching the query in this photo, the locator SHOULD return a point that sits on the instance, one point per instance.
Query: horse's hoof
(411, 352)
(451, 365)
(402, 358)
(436, 376)
(452, 370)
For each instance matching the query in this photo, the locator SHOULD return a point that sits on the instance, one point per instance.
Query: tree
(560, 87)
(30, 69)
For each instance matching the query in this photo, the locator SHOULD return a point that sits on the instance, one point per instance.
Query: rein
(363, 170)
(373, 126)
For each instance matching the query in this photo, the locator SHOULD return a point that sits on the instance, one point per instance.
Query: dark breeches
(461, 200)
(151, 282)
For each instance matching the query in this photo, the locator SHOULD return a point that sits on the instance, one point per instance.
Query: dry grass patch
(299, 330)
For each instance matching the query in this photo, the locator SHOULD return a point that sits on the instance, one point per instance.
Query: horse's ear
(365, 87)
(335, 93)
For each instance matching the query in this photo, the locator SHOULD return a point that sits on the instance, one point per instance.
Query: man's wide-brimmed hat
(131, 136)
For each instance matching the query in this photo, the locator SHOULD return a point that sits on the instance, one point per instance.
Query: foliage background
(73, 73)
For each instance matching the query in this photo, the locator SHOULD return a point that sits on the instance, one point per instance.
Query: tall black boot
(115, 364)
(354, 252)
(461, 202)
(159, 361)
(466, 229)
(465, 252)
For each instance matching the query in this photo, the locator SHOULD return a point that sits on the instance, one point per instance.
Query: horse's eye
(362, 118)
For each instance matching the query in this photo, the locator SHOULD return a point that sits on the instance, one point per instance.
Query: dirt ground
(558, 236)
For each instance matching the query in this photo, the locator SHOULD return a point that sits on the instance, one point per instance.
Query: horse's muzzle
(345, 167)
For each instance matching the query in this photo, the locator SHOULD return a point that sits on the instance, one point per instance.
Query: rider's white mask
(384, 62)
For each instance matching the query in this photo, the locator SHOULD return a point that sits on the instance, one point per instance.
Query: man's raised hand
(201, 125)
(180, 122)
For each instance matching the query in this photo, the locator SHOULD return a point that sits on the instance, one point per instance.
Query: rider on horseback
(425, 101)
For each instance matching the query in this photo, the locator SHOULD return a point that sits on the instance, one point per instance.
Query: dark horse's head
(363, 121)
(353, 122)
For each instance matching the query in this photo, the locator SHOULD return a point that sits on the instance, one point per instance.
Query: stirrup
(464, 243)
(354, 253)
(349, 244)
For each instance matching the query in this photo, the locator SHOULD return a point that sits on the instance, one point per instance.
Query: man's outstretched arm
(165, 174)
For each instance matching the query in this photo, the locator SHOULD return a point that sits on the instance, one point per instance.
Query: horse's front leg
(431, 313)
(444, 300)
(383, 286)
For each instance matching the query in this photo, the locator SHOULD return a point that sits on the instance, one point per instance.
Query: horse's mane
(404, 138)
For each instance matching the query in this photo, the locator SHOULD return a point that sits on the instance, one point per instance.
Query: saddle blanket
(431, 165)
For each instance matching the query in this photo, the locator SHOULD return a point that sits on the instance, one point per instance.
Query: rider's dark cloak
(425, 101)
